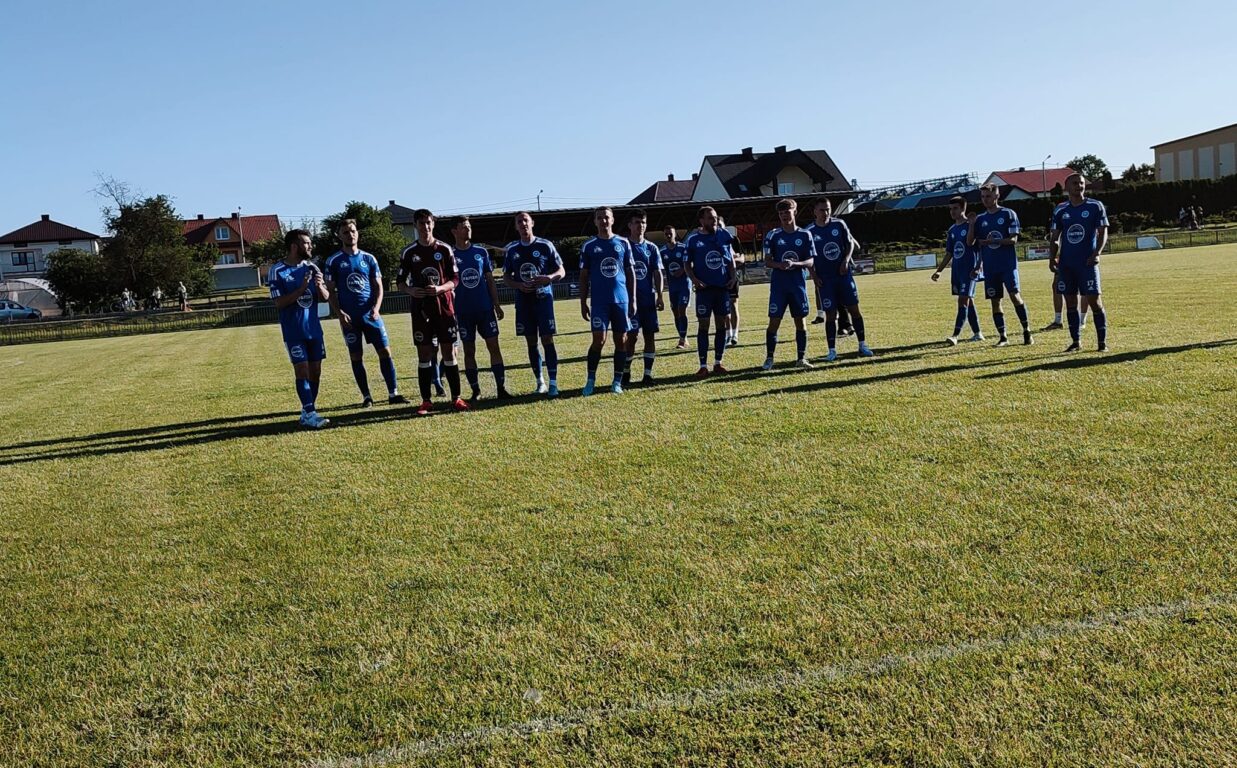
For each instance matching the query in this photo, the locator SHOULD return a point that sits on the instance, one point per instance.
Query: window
(65, 242)
(223, 233)
(24, 259)
(785, 188)
(227, 258)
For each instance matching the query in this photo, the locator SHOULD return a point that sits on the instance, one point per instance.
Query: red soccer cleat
(460, 405)
(702, 372)
(719, 368)
(425, 408)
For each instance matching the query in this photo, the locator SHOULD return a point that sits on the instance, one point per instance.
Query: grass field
(939, 556)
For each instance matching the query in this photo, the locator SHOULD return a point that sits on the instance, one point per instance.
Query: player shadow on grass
(1087, 360)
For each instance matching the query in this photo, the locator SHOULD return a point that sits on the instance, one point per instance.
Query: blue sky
(296, 108)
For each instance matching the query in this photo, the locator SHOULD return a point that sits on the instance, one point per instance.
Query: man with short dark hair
(427, 274)
(674, 257)
(962, 260)
(355, 282)
(995, 232)
(296, 287)
(789, 252)
(607, 276)
(531, 265)
(646, 261)
(710, 266)
(834, 272)
(1078, 236)
(477, 310)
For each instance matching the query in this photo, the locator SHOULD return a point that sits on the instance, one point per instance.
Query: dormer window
(223, 233)
(785, 188)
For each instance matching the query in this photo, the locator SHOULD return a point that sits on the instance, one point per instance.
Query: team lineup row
(625, 282)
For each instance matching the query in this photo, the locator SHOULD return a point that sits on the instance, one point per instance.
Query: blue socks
(305, 393)
(1021, 310)
(594, 360)
(770, 343)
(649, 357)
(1072, 315)
(551, 361)
(719, 343)
(959, 320)
(856, 322)
(831, 329)
(680, 325)
(500, 374)
(473, 380)
(1101, 325)
(702, 345)
(801, 343)
(387, 366)
(972, 317)
(534, 358)
(620, 361)
(998, 321)
(362, 379)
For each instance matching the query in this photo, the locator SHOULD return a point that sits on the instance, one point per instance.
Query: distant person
(962, 260)
(646, 261)
(789, 253)
(835, 276)
(995, 232)
(427, 274)
(607, 296)
(297, 286)
(156, 298)
(711, 268)
(1079, 234)
(674, 257)
(126, 300)
(740, 263)
(531, 265)
(1193, 217)
(355, 283)
(182, 293)
(476, 307)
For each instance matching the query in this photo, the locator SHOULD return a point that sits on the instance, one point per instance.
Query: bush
(79, 280)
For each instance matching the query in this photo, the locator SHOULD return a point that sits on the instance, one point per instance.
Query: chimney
(747, 153)
(201, 217)
(780, 150)
(695, 176)
(1022, 168)
(235, 215)
(47, 217)
(670, 177)
(392, 202)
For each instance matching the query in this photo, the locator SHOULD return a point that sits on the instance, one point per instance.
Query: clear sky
(294, 108)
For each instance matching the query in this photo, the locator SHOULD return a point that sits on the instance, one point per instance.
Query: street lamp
(1043, 175)
(240, 228)
(539, 198)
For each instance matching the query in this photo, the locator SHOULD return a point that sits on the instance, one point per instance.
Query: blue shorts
(996, 282)
(965, 288)
(610, 316)
(1073, 280)
(835, 294)
(534, 315)
(646, 317)
(364, 331)
(794, 297)
(306, 350)
(712, 300)
(474, 324)
(680, 296)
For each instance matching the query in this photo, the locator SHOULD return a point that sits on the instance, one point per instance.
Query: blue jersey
(1079, 227)
(999, 225)
(472, 292)
(646, 261)
(524, 261)
(674, 257)
(607, 262)
(711, 257)
(781, 245)
(963, 258)
(353, 276)
(298, 320)
(832, 246)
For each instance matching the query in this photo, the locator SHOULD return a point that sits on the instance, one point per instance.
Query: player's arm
(377, 291)
(1101, 236)
(937, 274)
(768, 252)
(401, 277)
(659, 281)
(630, 270)
(559, 273)
(448, 268)
(971, 218)
(1054, 245)
(333, 288)
(732, 261)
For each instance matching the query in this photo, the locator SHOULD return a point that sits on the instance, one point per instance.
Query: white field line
(772, 683)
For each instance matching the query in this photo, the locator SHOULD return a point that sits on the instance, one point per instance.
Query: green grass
(186, 579)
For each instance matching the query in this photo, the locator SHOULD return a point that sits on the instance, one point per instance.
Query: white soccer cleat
(542, 388)
(953, 340)
(313, 420)
(803, 363)
(833, 355)
(865, 351)
(768, 364)
(977, 337)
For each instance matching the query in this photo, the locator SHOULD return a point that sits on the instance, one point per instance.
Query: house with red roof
(24, 251)
(1035, 182)
(231, 235)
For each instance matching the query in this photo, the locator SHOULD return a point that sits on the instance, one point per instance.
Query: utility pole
(1043, 175)
(240, 228)
(539, 198)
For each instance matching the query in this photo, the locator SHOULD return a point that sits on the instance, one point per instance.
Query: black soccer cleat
(397, 399)
(1073, 347)
(1027, 339)
(368, 402)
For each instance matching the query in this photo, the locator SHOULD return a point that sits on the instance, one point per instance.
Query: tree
(1090, 166)
(148, 249)
(1137, 174)
(78, 279)
(375, 232)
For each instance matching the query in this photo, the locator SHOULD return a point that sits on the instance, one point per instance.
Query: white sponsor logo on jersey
(470, 277)
(609, 267)
(832, 251)
(305, 300)
(641, 269)
(357, 283)
(714, 260)
(528, 271)
(959, 249)
(1075, 234)
(431, 275)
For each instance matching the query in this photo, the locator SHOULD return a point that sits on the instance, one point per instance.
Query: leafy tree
(1090, 166)
(268, 251)
(78, 279)
(1137, 174)
(148, 249)
(375, 231)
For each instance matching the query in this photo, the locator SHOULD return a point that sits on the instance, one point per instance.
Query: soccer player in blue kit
(608, 278)
(674, 258)
(531, 265)
(962, 260)
(1077, 238)
(647, 264)
(789, 252)
(710, 266)
(995, 232)
(355, 282)
(835, 276)
(477, 310)
(297, 286)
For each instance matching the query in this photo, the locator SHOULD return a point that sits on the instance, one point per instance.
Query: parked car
(11, 310)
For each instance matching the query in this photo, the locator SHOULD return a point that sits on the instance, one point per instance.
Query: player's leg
(1070, 300)
(831, 329)
(426, 352)
(650, 351)
(448, 334)
(304, 390)
(375, 333)
(629, 351)
(848, 297)
(1058, 301)
(800, 308)
(622, 358)
(489, 332)
(972, 316)
(732, 319)
(722, 315)
(469, 345)
(960, 319)
(1091, 292)
(593, 357)
(548, 328)
(1020, 307)
(527, 324)
(820, 307)
(846, 325)
(995, 291)
(704, 312)
(778, 300)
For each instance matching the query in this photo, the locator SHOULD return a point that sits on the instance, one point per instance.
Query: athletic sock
(425, 379)
(474, 380)
(304, 393)
(452, 371)
(857, 324)
(620, 364)
(313, 391)
(1072, 315)
(362, 379)
(1021, 311)
(801, 343)
(1101, 326)
(594, 360)
(627, 358)
(551, 361)
(972, 317)
(831, 331)
(770, 343)
(959, 320)
(387, 366)
(437, 372)
(500, 374)
(534, 360)
(1056, 318)
(719, 344)
(702, 345)
(649, 357)
(998, 322)
(680, 325)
